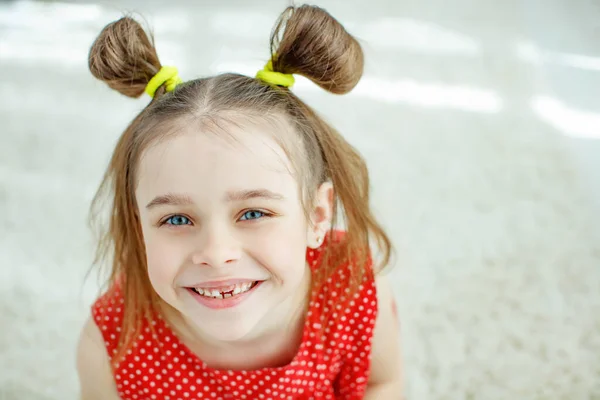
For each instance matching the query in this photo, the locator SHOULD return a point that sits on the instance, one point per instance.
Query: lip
(229, 302)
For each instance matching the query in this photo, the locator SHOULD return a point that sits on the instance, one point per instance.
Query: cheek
(283, 249)
(163, 258)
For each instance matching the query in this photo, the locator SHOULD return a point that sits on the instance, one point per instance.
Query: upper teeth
(225, 291)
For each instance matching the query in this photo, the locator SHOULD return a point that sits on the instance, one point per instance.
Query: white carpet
(478, 126)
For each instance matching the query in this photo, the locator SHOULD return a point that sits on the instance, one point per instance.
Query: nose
(216, 247)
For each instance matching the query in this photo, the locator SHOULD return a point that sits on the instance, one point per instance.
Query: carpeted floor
(481, 126)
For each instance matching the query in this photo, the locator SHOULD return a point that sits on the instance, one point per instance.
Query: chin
(225, 328)
(232, 332)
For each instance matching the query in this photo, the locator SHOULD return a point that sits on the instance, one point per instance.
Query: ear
(321, 216)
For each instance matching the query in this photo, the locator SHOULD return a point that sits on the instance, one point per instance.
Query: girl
(230, 276)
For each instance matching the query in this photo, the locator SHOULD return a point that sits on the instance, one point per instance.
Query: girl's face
(224, 230)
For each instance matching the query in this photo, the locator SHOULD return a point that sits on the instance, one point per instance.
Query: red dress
(336, 367)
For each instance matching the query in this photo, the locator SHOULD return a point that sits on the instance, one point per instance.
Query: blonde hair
(306, 41)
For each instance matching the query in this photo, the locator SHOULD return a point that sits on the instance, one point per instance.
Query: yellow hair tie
(167, 76)
(276, 78)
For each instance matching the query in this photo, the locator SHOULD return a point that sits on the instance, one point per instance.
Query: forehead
(203, 161)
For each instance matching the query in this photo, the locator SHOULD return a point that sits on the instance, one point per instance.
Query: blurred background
(480, 121)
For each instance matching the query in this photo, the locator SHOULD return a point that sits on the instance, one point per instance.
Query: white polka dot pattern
(333, 361)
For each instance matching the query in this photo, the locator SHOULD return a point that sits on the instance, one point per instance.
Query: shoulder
(372, 362)
(107, 314)
(109, 303)
(93, 365)
(386, 351)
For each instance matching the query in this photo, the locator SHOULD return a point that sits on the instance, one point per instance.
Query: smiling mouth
(225, 292)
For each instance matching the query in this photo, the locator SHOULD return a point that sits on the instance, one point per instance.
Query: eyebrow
(171, 199)
(241, 195)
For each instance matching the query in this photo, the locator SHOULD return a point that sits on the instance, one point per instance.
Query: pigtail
(124, 57)
(308, 41)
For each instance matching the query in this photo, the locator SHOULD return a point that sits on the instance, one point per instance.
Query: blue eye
(177, 220)
(252, 214)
